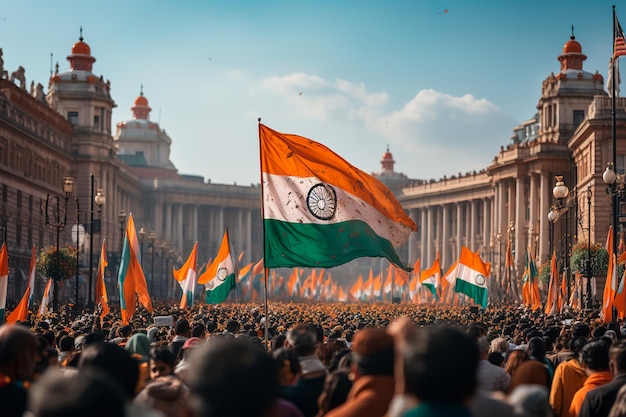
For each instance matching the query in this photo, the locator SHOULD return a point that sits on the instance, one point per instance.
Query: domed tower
(566, 96)
(142, 144)
(387, 162)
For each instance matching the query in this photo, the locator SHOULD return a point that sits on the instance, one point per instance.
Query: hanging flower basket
(599, 258)
(47, 262)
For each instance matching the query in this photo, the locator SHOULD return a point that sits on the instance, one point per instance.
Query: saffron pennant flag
(471, 276)
(186, 277)
(320, 211)
(219, 277)
(131, 279)
(4, 280)
(21, 311)
(101, 297)
(429, 277)
(45, 298)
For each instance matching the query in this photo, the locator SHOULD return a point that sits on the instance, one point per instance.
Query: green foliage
(599, 258)
(47, 262)
(544, 272)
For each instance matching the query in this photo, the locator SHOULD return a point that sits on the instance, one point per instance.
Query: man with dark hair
(232, 328)
(598, 402)
(182, 332)
(440, 370)
(19, 353)
(305, 392)
(372, 367)
(231, 377)
(595, 359)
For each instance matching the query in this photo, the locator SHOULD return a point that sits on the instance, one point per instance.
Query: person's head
(440, 365)
(233, 326)
(19, 352)
(182, 327)
(139, 345)
(576, 345)
(88, 393)
(514, 359)
(530, 401)
(301, 339)
(288, 366)
(113, 360)
(224, 368)
(373, 352)
(595, 356)
(125, 331)
(617, 357)
(499, 344)
(198, 331)
(537, 348)
(162, 362)
(580, 329)
(165, 394)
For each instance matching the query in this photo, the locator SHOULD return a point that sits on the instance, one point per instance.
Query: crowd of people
(313, 360)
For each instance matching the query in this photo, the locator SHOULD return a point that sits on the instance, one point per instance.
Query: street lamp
(163, 250)
(152, 238)
(588, 270)
(122, 219)
(99, 199)
(77, 252)
(59, 224)
(617, 190)
(142, 235)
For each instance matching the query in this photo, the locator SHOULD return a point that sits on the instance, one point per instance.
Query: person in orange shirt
(595, 358)
(569, 377)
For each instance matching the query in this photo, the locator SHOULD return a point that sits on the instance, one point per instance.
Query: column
(158, 220)
(439, 229)
(431, 236)
(248, 235)
(240, 240)
(533, 205)
(544, 224)
(473, 225)
(520, 183)
(445, 239)
(413, 238)
(167, 233)
(179, 228)
(220, 224)
(194, 223)
(459, 221)
(486, 223)
(424, 228)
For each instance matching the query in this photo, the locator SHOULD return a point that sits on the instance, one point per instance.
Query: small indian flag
(430, 277)
(45, 298)
(471, 276)
(186, 277)
(219, 277)
(320, 211)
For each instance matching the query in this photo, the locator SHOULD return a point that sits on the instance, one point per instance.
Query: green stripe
(478, 294)
(219, 294)
(323, 245)
(431, 288)
(1, 316)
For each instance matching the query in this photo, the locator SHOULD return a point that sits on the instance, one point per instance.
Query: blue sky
(442, 83)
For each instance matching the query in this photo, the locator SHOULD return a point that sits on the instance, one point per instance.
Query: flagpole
(265, 270)
(614, 197)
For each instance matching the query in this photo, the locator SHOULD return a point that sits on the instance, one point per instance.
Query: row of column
(516, 211)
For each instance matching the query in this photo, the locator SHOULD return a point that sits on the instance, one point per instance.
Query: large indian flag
(471, 276)
(320, 211)
(430, 277)
(219, 277)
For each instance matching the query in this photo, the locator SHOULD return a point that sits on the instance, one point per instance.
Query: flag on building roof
(101, 297)
(186, 278)
(4, 280)
(471, 276)
(320, 211)
(131, 279)
(219, 277)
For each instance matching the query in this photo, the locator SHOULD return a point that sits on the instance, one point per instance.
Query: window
(72, 117)
(579, 116)
(96, 122)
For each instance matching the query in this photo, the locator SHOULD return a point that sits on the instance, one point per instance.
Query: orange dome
(141, 101)
(387, 155)
(572, 46)
(81, 48)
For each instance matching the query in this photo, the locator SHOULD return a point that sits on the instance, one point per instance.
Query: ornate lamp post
(142, 236)
(588, 269)
(59, 224)
(99, 199)
(162, 279)
(122, 219)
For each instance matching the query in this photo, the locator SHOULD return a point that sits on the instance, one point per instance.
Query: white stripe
(290, 205)
(469, 275)
(4, 282)
(225, 263)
